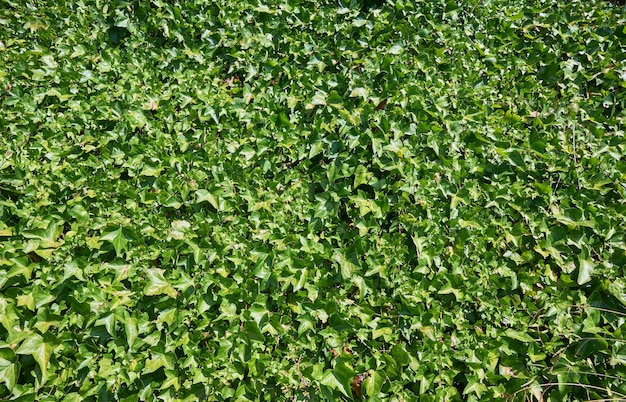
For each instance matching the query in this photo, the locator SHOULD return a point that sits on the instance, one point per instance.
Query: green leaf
(336, 381)
(474, 386)
(157, 285)
(158, 360)
(360, 176)
(585, 271)
(519, 335)
(376, 269)
(543, 188)
(137, 119)
(41, 351)
(373, 384)
(346, 266)
(9, 370)
(48, 236)
(384, 332)
(5, 230)
(117, 238)
(319, 99)
(400, 355)
(109, 323)
(359, 92)
(427, 192)
(168, 316)
(205, 195)
(131, 329)
(334, 99)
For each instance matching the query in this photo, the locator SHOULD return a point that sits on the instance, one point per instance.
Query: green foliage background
(261, 200)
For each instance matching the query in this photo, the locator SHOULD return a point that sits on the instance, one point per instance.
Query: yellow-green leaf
(41, 351)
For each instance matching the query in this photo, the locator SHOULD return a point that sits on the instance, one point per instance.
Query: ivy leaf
(374, 384)
(335, 380)
(359, 92)
(585, 271)
(9, 370)
(400, 355)
(157, 285)
(137, 119)
(519, 335)
(109, 323)
(360, 176)
(346, 266)
(41, 351)
(131, 329)
(47, 237)
(117, 238)
(474, 386)
(401, 200)
(5, 230)
(334, 99)
(205, 195)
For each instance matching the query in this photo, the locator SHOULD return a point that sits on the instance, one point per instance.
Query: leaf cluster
(328, 200)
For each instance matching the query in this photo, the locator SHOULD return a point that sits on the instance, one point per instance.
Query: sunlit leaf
(585, 272)
(157, 285)
(41, 351)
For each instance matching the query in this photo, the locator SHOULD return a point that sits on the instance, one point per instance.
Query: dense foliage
(312, 200)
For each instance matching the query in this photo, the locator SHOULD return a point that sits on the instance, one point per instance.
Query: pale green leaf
(117, 239)
(332, 380)
(157, 284)
(204, 195)
(360, 176)
(41, 351)
(585, 271)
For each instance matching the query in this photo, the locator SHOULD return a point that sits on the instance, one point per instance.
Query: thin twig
(606, 400)
(571, 384)
(608, 310)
